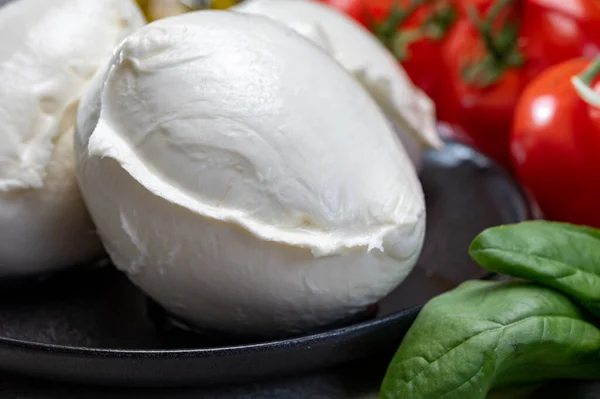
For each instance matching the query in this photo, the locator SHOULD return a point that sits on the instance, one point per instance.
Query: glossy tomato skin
(558, 30)
(550, 32)
(550, 149)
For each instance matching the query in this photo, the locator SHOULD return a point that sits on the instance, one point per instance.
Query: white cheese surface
(243, 179)
(49, 50)
(367, 59)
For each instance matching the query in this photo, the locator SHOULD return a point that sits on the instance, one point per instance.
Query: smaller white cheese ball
(243, 179)
(49, 50)
(367, 59)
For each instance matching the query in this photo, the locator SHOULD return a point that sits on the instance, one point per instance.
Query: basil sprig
(485, 335)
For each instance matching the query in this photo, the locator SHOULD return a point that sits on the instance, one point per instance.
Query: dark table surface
(355, 381)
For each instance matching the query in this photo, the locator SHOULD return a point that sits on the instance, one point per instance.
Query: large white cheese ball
(243, 179)
(49, 50)
(367, 59)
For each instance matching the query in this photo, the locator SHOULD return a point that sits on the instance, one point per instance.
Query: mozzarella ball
(243, 179)
(49, 50)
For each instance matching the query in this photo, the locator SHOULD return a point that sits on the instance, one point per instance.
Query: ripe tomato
(557, 30)
(479, 97)
(544, 32)
(524, 38)
(555, 144)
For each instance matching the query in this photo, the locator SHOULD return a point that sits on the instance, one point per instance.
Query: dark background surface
(356, 381)
(359, 380)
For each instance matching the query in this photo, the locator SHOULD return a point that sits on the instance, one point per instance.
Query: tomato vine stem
(502, 46)
(387, 30)
(583, 83)
(485, 30)
(434, 27)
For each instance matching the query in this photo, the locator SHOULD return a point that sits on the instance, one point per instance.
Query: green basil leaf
(484, 335)
(559, 255)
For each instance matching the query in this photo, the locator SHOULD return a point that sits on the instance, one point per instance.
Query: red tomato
(555, 146)
(544, 32)
(481, 112)
(558, 30)
(550, 31)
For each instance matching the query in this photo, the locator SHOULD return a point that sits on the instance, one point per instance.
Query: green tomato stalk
(387, 30)
(397, 40)
(503, 50)
(583, 83)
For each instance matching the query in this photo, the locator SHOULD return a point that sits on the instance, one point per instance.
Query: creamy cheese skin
(243, 179)
(367, 59)
(49, 50)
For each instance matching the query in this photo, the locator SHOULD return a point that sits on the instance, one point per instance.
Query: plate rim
(218, 350)
(520, 211)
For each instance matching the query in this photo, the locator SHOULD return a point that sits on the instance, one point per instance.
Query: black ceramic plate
(94, 327)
